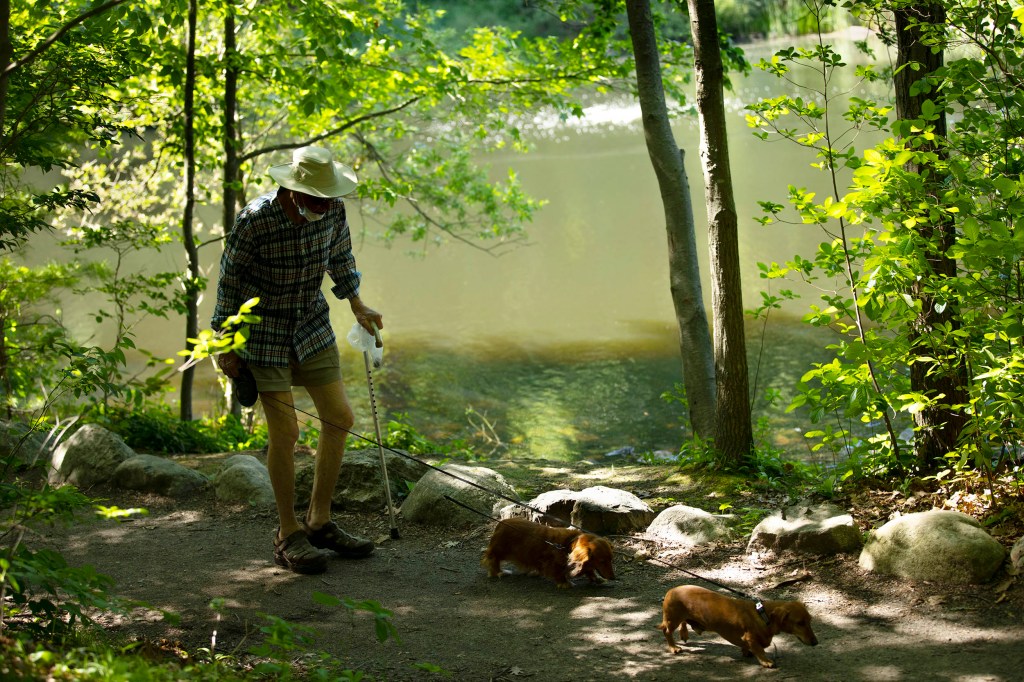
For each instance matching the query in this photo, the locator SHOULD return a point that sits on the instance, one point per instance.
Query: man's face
(313, 204)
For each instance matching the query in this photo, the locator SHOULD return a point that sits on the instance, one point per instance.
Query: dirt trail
(449, 614)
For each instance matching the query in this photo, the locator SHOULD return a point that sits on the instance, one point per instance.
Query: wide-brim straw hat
(313, 171)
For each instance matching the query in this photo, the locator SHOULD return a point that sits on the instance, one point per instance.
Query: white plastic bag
(365, 342)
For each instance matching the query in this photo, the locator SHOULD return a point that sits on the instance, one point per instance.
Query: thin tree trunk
(192, 273)
(684, 267)
(232, 175)
(734, 436)
(938, 425)
(6, 57)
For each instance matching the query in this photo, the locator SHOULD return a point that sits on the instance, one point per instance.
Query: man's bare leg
(336, 420)
(282, 434)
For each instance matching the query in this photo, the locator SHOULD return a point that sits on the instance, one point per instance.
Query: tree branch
(58, 34)
(330, 133)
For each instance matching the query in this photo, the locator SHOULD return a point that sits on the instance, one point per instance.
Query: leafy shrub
(158, 429)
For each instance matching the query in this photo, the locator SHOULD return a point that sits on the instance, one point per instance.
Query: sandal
(331, 537)
(296, 554)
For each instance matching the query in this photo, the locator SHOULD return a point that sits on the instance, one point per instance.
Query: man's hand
(365, 315)
(229, 363)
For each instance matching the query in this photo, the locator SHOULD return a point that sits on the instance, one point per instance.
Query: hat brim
(344, 181)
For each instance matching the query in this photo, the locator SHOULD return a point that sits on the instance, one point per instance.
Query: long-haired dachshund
(555, 553)
(736, 620)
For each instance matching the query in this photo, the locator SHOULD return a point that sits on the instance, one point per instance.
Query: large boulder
(243, 479)
(599, 509)
(152, 474)
(361, 484)
(688, 526)
(937, 545)
(89, 457)
(472, 489)
(821, 529)
(610, 511)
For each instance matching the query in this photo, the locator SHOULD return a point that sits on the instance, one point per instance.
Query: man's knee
(341, 420)
(283, 434)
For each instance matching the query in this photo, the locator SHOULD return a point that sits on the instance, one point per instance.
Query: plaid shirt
(283, 263)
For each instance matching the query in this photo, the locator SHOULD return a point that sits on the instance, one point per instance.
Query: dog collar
(759, 607)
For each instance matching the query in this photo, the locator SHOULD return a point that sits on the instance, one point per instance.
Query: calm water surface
(566, 346)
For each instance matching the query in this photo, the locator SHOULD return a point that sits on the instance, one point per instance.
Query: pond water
(564, 348)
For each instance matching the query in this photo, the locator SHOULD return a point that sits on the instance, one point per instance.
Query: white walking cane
(362, 340)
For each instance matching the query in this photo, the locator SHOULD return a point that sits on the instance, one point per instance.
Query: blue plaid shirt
(283, 263)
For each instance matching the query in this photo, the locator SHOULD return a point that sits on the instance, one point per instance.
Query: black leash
(758, 605)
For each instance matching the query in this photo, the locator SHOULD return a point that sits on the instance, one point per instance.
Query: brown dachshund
(555, 553)
(736, 620)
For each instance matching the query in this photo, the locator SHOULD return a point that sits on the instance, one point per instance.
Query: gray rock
(152, 474)
(21, 444)
(938, 545)
(822, 529)
(599, 509)
(552, 508)
(89, 457)
(244, 479)
(689, 526)
(427, 502)
(609, 511)
(360, 484)
(1017, 558)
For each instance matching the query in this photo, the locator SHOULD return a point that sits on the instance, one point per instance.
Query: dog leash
(758, 604)
(427, 464)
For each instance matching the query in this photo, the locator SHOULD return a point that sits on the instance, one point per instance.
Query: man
(281, 246)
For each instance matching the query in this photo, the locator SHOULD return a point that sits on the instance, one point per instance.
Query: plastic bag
(365, 342)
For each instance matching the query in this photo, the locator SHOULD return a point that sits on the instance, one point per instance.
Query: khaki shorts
(321, 369)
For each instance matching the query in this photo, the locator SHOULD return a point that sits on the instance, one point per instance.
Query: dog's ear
(579, 555)
(778, 616)
(788, 615)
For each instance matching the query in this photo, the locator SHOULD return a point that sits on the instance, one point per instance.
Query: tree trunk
(684, 267)
(192, 274)
(232, 174)
(6, 57)
(734, 435)
(938, 426)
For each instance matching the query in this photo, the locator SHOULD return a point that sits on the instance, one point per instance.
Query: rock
(244, 479)
(152, 474)
(360, 484)
(1017, 558)
(939, 545)
(609, 511)
(664, 456)
(601, 510)
(89, 457)
(20, 442)
(822, 529)
(688, 526)
(427, 503)
(552, 508)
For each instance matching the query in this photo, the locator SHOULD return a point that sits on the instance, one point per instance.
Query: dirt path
(448, 613)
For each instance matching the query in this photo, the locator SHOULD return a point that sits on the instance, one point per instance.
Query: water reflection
(567, 401)
(567, 345)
